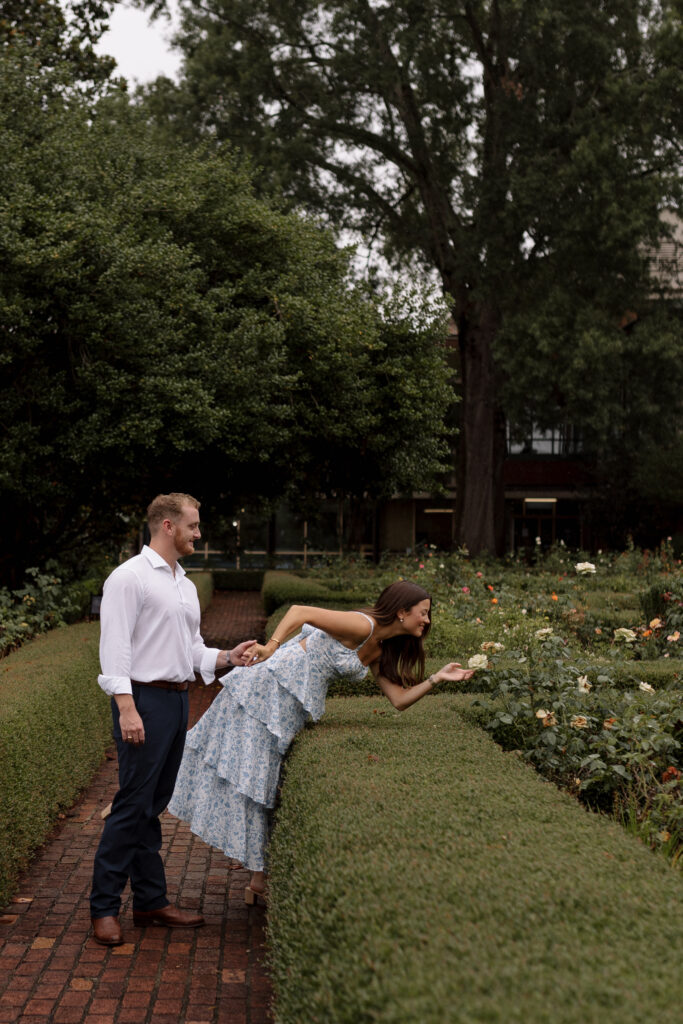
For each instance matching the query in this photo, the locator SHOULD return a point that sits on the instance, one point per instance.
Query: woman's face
(416, 618)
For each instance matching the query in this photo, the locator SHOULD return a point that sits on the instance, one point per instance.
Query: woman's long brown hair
(402, 660)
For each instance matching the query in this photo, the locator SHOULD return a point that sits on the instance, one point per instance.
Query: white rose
(583, 684)
(584, 568)
(627, 635)
(478, 661)
(540, 633)
(646, 688)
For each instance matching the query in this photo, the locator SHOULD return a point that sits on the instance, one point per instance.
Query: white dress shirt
(149, 621)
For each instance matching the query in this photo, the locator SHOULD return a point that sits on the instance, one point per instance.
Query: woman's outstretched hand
(453, 672)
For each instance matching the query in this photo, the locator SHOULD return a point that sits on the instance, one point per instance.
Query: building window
(562, 440)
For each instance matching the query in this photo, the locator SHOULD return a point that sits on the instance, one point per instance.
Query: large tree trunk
(481, 497)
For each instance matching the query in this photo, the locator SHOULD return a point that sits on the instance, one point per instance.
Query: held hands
(259, 652)
(239, 655)
(453, 672)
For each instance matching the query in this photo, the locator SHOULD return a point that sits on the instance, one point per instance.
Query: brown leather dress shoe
(169, 917)
(107, 931)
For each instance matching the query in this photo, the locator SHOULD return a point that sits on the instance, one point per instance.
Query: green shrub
(611, 746)
(238, 579)
(421, 874)
(204, 582)
(42, 603)
(281, 587)
(55, 723)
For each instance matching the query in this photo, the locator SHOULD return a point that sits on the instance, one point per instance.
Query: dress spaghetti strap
(372, 630)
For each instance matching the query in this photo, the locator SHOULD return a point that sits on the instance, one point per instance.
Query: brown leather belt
(163, 684)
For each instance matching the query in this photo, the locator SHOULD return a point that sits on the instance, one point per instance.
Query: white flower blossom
(583, 685)
(627, 635)
(645, 687)
(584, 568)
(540, 633)
(478, 661)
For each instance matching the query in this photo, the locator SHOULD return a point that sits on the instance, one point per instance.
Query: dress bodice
(331, 655)
(293, 682)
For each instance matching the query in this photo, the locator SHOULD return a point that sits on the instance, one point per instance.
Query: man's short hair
(168, 506)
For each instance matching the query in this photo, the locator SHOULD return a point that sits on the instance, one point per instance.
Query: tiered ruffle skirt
(227, 783)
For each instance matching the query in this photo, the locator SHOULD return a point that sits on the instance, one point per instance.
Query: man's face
(186, 530)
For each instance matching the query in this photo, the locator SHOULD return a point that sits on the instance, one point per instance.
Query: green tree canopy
(163, 328)
(524, 150)
(58, 33)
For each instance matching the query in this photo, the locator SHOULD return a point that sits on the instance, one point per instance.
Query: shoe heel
(252, 897)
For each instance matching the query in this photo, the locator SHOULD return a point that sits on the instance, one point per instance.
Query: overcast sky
(140, 49)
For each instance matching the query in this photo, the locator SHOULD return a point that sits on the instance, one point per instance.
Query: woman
(228, 778)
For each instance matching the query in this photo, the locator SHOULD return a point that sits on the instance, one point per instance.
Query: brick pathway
(52, 970)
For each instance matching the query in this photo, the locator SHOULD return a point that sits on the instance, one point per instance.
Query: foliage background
(166, 329)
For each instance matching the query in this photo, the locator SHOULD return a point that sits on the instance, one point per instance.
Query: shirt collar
(157, 562)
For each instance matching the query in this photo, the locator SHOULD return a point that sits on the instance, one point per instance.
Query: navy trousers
(131, 840)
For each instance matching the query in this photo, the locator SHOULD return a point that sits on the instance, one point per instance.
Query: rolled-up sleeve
(121, 603)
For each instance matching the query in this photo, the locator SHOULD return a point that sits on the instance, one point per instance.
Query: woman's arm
(403, 698)
(350, 627)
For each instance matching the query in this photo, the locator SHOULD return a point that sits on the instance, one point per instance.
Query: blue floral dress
(228, 778)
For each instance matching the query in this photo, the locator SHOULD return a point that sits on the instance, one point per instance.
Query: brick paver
(51, 970)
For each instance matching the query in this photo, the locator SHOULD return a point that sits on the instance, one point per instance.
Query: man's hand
(238, 654)
(130, 723)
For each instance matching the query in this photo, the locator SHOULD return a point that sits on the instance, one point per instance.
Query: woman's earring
(400, 619)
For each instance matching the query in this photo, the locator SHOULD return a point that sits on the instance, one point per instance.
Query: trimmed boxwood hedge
(281, 588)
(419, 873)
(204, 582)
(55, 723)
(238, 579)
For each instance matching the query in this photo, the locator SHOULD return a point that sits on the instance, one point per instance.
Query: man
(150, 648)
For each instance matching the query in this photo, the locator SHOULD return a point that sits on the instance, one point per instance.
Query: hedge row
(55, 723)
(419, 873)
(238, 579)
(281, 588)
(204, 582)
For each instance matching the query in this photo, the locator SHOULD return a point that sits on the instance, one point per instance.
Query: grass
(421, 874)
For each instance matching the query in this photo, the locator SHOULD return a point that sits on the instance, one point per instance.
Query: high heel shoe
(254, 896)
